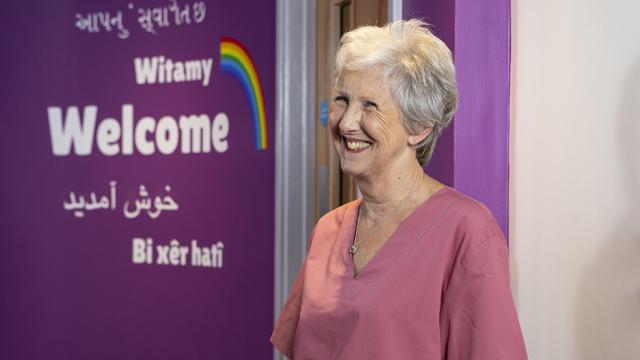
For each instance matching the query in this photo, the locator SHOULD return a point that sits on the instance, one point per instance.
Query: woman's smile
(354, 145)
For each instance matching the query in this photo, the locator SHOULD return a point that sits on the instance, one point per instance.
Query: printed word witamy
(158, 69)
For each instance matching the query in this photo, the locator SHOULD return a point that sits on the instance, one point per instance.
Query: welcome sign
(138, 180)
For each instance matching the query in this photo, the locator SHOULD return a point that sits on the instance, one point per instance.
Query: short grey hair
(418, 68)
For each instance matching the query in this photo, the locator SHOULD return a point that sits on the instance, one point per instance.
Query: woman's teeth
(357, 145)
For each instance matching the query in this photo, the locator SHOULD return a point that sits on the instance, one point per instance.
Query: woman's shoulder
(330, 224)
(470, 217)
(339, 214)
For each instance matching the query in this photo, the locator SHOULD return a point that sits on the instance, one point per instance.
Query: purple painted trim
(441, 15)
(440, 166)
(473, 154)
(481, 166)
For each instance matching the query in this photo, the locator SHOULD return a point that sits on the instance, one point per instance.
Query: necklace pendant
(353, 249)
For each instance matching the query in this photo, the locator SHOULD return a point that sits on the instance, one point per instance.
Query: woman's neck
(396, 191)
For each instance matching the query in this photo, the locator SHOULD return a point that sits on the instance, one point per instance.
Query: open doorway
(334, 18)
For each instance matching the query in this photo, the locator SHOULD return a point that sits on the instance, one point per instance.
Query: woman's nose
(350, 121)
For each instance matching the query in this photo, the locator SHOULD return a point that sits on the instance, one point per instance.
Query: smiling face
(366, 125)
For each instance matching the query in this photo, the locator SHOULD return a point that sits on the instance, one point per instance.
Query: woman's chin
(352, 168)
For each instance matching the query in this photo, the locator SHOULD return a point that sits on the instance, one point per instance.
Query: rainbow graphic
(235, 60)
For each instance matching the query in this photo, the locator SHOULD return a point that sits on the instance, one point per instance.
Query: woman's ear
(415, 139)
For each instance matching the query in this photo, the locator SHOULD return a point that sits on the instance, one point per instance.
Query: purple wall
(441, 15)
(482, 120)
(473, 155)
(70, 287)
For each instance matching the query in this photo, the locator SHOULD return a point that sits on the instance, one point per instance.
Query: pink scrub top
(437, 289)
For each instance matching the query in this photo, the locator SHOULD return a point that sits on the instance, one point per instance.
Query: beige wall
(575, 177)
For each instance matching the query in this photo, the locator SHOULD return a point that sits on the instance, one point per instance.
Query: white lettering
(146, 70)
(206, 257)
(175, 254)
(178, 72)
(145, 125)
(207, 64)
(72, 133)
(194, 70)
(158, 69)
(195, 133)
(192, 134)
(127, 129)
(142, 251)
(107, 137)
(219, 132)
(167, 135)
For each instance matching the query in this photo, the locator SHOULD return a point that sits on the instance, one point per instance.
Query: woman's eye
(341, 100)
(370, 105)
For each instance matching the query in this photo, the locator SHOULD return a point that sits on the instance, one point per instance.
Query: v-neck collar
(390, 243)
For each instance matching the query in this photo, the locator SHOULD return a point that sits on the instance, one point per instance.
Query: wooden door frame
(295, 138)
(333, 187)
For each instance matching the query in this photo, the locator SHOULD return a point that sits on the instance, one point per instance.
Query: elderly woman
(413, 269)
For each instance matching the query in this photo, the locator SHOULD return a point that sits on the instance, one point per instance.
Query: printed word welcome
(194, 133)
